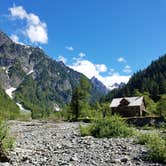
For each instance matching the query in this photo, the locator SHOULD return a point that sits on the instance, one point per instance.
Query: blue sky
(109, 39)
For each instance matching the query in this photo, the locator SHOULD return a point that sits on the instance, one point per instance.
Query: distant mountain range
(116, 86)
(33, 79)
(101, 87)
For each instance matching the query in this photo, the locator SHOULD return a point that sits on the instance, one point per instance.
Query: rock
(4, 157)
(74, 158)
(125, 159)
(25, 158)
(61, 144)
(116, 161)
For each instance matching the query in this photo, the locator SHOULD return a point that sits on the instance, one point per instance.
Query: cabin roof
(133, 101)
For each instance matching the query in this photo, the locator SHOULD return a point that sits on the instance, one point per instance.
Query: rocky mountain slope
(33, 78)
(99, 85)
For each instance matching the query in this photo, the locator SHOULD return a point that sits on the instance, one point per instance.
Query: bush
(146, 138)
(85, 130)
(8, 108)
(157, 150)
(6, 142)
(24, 116)
(113, 126)
(156, 146)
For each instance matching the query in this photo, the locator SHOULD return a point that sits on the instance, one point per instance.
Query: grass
(85, 130)
(146, 138)
(6, 142)
(24, 116)
(156, 145)
(108, 127)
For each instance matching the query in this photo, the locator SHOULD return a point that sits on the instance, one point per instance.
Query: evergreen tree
(75, 103)
(161, 106)
(80, 98)
(149, 103)
(106, 111)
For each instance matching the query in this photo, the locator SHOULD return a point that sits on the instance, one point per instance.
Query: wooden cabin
(128, 106)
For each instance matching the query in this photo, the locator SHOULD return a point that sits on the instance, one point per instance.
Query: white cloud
(110, 80)
(37, 34)
(111, 71)
(18, 11)
(81, 54)
(127, 69)
(86, 67)
(121, 59)
(35, 30)
(115, 74)
(101, 68)
(69, 48)
(62, 58)
(34, 19)
(90, 69)
(15, 39)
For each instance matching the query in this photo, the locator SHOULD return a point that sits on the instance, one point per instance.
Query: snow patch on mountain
(30, 72)
(22, 108)
(10, 91)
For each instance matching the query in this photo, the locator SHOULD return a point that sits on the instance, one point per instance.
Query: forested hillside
(150, 82)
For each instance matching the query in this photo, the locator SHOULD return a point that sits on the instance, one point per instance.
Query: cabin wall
(142, 107)
(126, 111)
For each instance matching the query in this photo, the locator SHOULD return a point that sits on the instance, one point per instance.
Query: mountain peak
(4, 39)
(99, 85)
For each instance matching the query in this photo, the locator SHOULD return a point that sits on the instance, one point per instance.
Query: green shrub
(113, 126)
(157, 150)
(85, 130)
(8, 108)
(24, 116)
(156, 146)
(6, 142)
(146, 138)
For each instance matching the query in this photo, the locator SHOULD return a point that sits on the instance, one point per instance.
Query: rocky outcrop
(55, 144)
(6, 61)
(99, 85)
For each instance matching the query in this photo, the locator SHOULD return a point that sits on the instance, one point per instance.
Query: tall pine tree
(80, 98)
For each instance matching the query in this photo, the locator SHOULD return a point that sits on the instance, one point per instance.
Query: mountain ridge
(39, 81)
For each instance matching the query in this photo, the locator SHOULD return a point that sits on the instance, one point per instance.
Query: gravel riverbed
(56, 144)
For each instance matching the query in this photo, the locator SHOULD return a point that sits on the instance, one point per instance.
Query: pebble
(54, 144)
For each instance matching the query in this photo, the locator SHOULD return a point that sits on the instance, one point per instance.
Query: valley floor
(55, 144)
